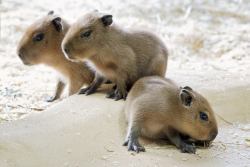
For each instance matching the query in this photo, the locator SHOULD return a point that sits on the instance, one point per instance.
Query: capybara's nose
(20, 53)
(66, 50)
(213, 135)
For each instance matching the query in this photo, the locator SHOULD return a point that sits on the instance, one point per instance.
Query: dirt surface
(89, 131)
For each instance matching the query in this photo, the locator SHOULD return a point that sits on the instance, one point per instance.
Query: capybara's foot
(134, 145)
(188, 148)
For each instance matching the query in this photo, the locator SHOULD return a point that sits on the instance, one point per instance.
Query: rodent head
(197, 116)
(41, 40)
(86, 35)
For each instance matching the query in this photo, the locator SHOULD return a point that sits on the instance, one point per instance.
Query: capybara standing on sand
(122, 56)
(41, 44)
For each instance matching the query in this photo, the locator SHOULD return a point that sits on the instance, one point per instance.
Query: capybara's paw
(51, 99)
(111, 94)
(83, 91)
(134, 145)
(87, 91)
(188, 148)
(90, 91)
(120, 95)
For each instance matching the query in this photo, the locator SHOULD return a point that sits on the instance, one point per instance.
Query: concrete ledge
(89, 131)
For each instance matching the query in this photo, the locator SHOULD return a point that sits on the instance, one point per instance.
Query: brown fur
(123, 56)
(48, 52)
(154, 109)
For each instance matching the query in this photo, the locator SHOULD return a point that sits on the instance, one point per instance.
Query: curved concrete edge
(89, 131)
(72, 130)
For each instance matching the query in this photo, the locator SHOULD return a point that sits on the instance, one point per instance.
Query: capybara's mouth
(199, 143)
(73, 59)
(69, 56)
(24, 59)
(25, 62)
(203, 143)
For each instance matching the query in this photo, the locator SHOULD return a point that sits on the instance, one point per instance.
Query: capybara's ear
(57, 24)
(51, 12)
(186, 97)
(107, 20)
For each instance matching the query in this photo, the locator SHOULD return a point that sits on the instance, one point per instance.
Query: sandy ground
(209, 43)
(89, 131)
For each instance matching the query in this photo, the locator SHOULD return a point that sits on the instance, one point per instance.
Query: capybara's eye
(38, 37)
(203, 116)
(86, 34)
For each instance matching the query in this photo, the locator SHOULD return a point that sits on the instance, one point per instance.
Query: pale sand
(89, 131)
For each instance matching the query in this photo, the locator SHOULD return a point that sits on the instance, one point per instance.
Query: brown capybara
(41, 44)
(120, 55)
(157, 108)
